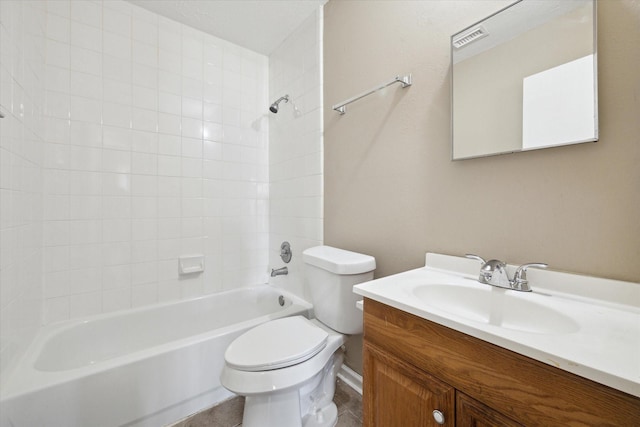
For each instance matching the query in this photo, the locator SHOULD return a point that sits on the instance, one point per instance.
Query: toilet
(286, 368)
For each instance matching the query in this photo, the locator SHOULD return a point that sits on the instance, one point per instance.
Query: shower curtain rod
(404, 81)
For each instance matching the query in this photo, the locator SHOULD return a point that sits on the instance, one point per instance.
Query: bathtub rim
(24, 378)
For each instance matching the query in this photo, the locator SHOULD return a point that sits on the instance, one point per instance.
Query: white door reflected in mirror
(558, 105)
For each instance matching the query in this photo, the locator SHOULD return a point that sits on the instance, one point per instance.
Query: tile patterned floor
(229, 413)
(349, 403)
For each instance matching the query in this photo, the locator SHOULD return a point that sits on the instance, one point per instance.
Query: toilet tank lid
(339, 261)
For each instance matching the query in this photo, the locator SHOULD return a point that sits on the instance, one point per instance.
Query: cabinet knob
(438, 416)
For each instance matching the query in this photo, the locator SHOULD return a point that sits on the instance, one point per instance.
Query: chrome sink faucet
(494, 273)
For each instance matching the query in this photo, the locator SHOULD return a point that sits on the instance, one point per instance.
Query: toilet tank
(331, 274)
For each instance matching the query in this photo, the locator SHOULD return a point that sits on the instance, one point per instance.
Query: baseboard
(351, 378)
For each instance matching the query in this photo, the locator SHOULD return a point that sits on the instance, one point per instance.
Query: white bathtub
(142, 367)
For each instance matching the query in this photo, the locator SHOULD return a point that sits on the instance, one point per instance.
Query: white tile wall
(143, 148)
(295, 153)
(130, 139)
(22, 95)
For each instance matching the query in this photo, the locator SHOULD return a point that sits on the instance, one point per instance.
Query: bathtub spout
(279, 271)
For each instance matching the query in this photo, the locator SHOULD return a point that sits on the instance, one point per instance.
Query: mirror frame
(595, 87)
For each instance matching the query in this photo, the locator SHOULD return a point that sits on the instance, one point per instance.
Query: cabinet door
(471, 413)
(398, 394)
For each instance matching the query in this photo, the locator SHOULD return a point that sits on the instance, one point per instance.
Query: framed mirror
(525, 78)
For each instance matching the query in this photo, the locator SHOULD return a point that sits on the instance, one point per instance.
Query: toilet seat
(276, 344)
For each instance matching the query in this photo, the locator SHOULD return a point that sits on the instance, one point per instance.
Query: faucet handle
(520, 281)
(476, 257)
(486, 269)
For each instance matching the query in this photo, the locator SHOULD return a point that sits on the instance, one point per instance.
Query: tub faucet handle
(285, 252)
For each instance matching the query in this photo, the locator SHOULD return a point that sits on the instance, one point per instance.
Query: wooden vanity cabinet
(413, 366)
(398, 394)
(471, 413)
(402, 394)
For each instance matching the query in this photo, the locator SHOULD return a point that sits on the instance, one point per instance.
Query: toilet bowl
(287, 367)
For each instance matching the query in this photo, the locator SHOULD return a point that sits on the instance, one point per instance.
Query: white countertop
(603, 347)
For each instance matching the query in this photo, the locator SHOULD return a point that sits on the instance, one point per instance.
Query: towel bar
(404, 81)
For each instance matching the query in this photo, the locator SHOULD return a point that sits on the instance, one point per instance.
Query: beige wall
(391, 190)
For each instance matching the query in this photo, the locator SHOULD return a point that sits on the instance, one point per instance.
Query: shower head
(274, 107)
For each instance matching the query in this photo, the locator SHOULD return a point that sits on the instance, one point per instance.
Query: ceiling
(259, 25)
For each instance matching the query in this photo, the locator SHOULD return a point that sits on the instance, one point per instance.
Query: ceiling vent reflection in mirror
(470, 36)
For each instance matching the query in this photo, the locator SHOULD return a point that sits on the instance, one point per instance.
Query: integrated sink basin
(585, 325)
(498, 307)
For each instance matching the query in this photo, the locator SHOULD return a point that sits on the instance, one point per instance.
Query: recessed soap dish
(191, 264)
